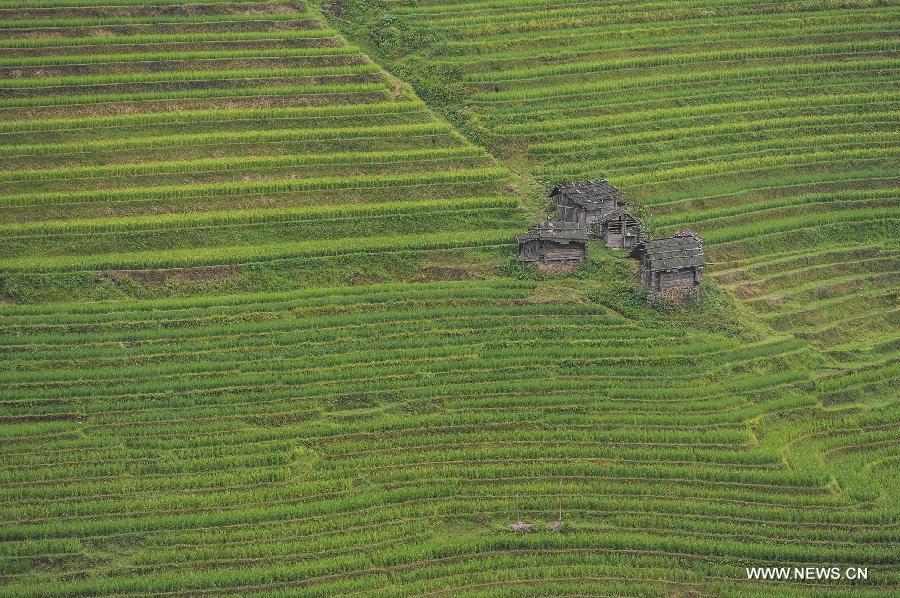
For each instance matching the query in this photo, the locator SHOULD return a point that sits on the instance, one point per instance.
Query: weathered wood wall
(568, 211)
(549, 251)
(644, 275)
(530, 251)
(613, 240)
(556, 252)
(676, 281)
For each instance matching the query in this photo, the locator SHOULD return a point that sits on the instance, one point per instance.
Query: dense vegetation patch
(381, 438)
(768, 127)
(262, 329)
(147, 137)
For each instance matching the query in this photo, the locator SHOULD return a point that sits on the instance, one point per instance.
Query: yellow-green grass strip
(244, 254)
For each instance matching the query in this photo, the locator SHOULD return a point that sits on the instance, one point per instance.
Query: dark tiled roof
(673, 253)
(587, 193)
(555, 230)
(637, 225)
(616, 213)
(686, 232)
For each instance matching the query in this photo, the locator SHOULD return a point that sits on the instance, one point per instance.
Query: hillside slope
(150, 145)
(769, 127)
(380, 439)
(233, 358)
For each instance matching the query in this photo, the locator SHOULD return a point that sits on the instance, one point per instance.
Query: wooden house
(554, 242)
(619, 229)
(672, 266)
(585, 201)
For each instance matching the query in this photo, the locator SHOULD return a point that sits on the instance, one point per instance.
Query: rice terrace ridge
(276, 317)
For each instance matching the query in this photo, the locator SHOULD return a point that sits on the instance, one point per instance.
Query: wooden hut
(554, 242)
(672, 266)
(619, 229)
(585, 201)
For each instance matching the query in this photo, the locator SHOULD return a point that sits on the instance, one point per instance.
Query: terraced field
(379, 440)
(769, 127)
(246, 137)
(234, 358)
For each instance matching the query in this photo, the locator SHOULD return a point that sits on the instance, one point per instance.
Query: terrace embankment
(159, 139)
(770, 128)
(380, 439)
(211, 380)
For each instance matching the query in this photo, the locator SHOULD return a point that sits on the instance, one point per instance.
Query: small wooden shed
(672, 266)
(585, 201)
(553, 241)
(619, 229)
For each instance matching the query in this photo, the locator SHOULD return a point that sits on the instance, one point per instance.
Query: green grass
(227, 141)
(317, 439)
(262, 330)
(767, 127)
